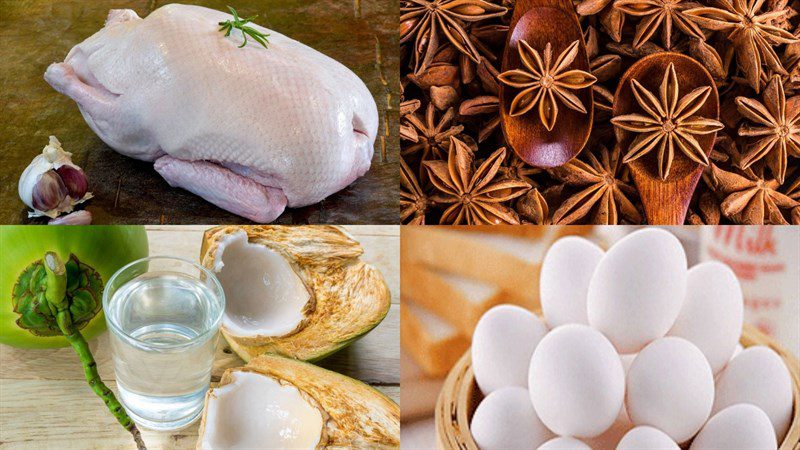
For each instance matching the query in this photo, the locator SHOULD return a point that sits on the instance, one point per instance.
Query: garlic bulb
(52, 184)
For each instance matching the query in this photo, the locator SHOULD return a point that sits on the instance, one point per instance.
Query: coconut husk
(355, 414)
(349, 297)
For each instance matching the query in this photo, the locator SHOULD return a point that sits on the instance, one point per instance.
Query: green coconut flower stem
(55, 293)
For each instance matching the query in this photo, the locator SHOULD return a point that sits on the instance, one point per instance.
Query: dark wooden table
(361, 34)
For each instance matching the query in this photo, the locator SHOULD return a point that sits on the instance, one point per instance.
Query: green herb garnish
(241, 24)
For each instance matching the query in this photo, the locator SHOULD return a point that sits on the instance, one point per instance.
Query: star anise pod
(670, 122)
(708, 56)
(484, 105)
(654, 14)
(709, 208)
(604, 68)
(533, 207)
(436, 74)
(751, 31)
(414, 203)
(424, 20)
(724, 148)
(791, 62)
(407, 131)
(611, 19)
(434, 136)
(545, 80)
(692, 218)
(591, 7)
(605, 197)
(514, 168)
(487, 74)
(486, 36)
(793, 190)
(705, 210)
(603, 102)
(750, 199)
(784, 21)
(474, 196)
(444, 97)
(626, 49)
(777, 124)
(482, 36)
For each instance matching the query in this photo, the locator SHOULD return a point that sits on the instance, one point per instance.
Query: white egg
(564, 280)
(711, 316)
(758, 376)
(576, 381)
(627, 360)
(502, 345)
(611, 437)
(739, 426)
(649, 438)
(670, 386)
(637, 290)
(564, 443)
(505, 419)
(739, 349)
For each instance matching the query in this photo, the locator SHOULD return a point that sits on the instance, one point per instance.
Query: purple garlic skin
(75, 181)
(49, 191)
(82, 217)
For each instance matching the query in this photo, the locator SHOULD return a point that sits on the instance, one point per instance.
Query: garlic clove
(74, 179)
(47, 176)
(49, 191)
(82, 217)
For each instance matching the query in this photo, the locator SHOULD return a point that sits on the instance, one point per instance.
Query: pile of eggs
(635, 351)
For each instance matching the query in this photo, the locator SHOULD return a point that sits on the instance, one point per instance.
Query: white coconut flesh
(255, 411)
(264, 296)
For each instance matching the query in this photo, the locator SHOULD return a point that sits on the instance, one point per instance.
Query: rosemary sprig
(237, 22)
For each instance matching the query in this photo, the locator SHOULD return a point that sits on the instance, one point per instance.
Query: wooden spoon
(665, 201)
(539, 22)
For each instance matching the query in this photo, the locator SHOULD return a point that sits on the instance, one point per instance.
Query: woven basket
(460, 396)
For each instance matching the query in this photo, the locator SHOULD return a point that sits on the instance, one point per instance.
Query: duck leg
(224, 188)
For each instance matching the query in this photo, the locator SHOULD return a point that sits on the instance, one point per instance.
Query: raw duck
(251, 130)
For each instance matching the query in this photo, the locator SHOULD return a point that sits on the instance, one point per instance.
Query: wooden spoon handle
(659, 210)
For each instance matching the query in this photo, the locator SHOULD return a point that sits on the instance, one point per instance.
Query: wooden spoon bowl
(539, 22)
(665, 201)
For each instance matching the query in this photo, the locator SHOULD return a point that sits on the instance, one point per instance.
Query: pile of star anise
(457, 168)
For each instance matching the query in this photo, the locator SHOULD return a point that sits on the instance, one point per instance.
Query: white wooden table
(45, 402)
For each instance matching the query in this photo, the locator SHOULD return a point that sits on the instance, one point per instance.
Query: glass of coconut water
(164, 315)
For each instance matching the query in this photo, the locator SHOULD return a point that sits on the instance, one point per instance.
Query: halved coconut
(301, 292)
(277, 402)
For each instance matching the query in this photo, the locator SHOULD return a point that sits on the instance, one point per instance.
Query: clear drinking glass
(164, 315)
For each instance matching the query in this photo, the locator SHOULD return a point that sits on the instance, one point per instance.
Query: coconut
(277, 402)
(300, 292)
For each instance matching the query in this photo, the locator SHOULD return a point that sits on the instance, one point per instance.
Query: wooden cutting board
(361, 34)
(45, 402)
